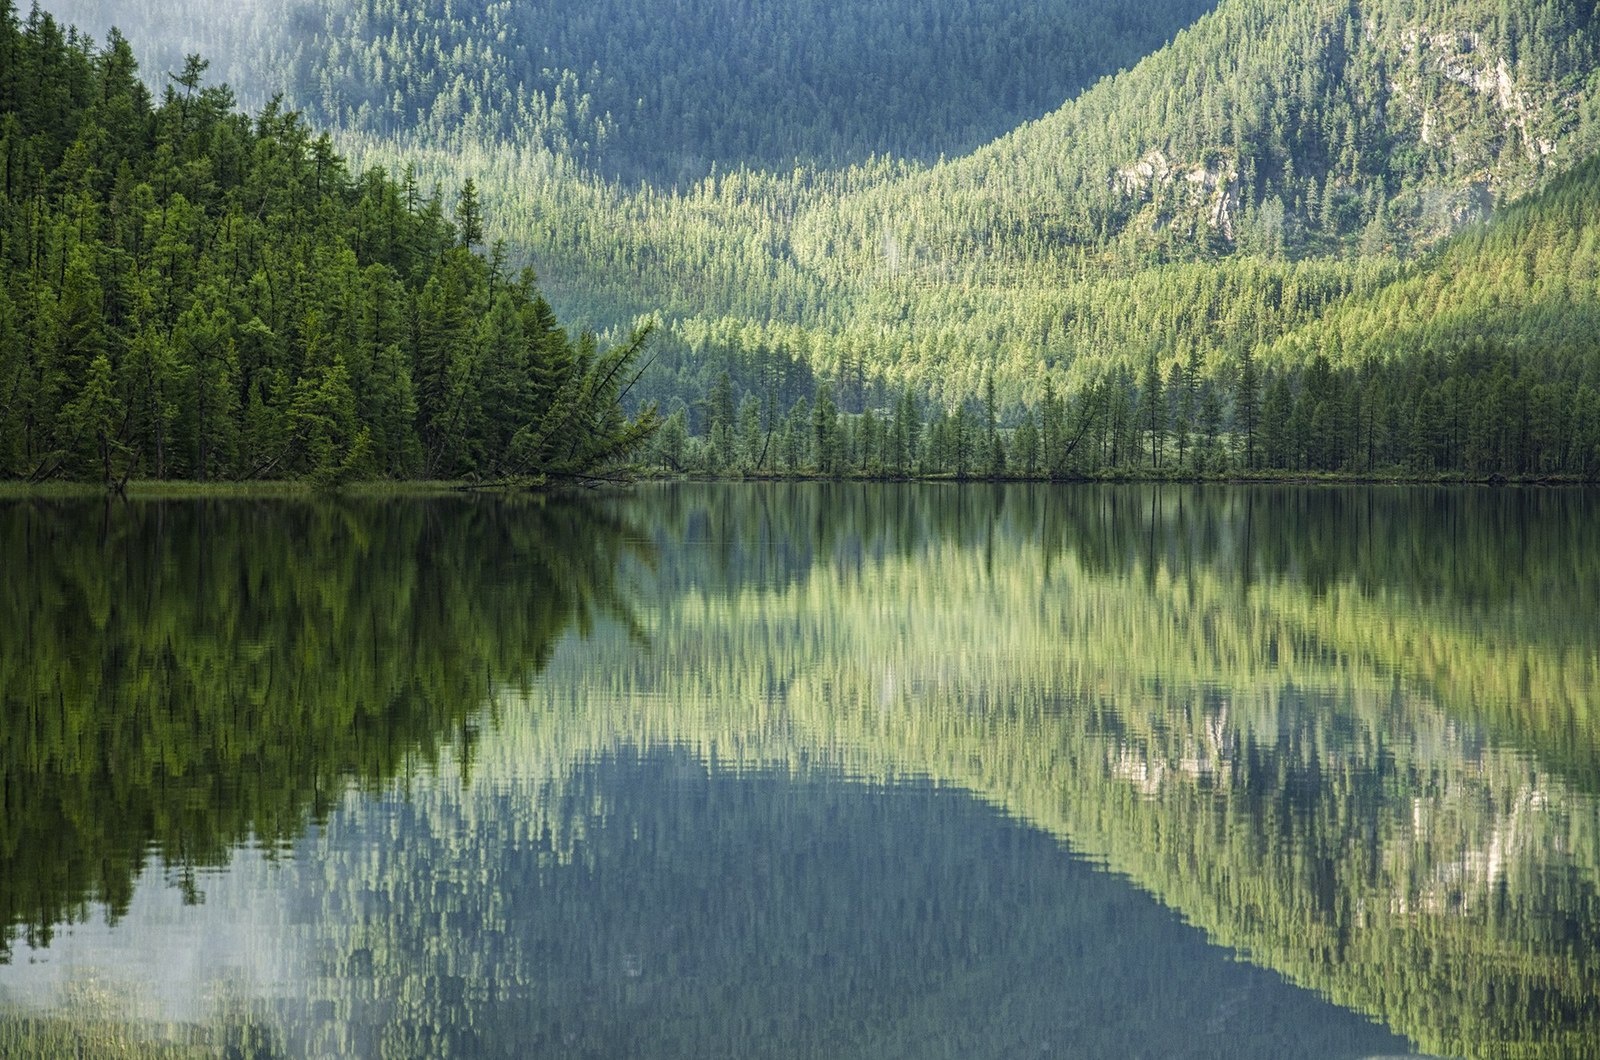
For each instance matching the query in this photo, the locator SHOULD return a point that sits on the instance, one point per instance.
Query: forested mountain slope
(654, 90)
(1268, 126)
(1525, 281)
(186, 292)
(1274, 160)
(1475, 359)
(1482, 357)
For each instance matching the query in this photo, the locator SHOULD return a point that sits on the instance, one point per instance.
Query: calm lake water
(804, 770)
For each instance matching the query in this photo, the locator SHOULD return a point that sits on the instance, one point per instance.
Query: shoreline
(1257, 478)
(181, 489)
(184, 489)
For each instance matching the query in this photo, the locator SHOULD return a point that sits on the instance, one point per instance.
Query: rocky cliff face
(1497, 131)
(1412, 129)
(1202, 193)
(1461, 60)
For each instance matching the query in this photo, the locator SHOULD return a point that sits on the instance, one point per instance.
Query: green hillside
(1268, 127)
(1300, 187)
(1274, 161)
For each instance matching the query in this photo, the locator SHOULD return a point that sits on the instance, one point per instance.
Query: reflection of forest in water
(1483, 599)
(180, 677)
(1349, 732)
(647, 905)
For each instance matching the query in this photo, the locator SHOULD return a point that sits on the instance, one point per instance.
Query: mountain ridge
(657, 92)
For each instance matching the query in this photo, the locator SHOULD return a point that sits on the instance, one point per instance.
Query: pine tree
(825, 431)
(469, 216)
(1153, 405)
(1245, 403)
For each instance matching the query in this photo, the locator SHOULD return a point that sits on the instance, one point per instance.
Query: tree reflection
(181, 677)
(1361, 757)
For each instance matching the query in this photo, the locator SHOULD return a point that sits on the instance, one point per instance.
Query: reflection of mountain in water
(182, 677)
(649, 906)
(1312, 753)
(1364, 759)
(1482, 598)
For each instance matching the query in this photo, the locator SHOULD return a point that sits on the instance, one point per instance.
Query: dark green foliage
(189, 293)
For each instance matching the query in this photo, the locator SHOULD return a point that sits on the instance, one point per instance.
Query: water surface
(804, 770)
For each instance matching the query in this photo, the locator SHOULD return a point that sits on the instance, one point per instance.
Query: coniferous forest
(1196, 698)
(1252, 238)
(190, 292)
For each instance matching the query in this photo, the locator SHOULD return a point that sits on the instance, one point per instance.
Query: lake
(803, 770)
